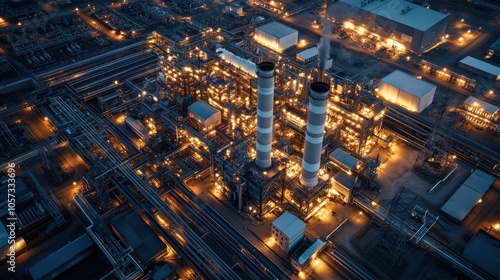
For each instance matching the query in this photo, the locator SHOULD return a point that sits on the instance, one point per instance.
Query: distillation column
(318, 104)
(265, 102)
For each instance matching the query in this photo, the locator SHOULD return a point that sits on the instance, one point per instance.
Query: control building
(276, 36)
(398, 19)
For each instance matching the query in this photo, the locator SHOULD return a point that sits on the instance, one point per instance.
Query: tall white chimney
(265, 103)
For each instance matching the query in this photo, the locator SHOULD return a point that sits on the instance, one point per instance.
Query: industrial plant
(249, 139)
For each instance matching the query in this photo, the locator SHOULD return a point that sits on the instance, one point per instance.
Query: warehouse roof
(289, 224)
(466, 197)
(307, 54)
(481, 65)
(202, 110)
(495, 46)
(343, 159)
(310, 251)
(483, 250)
(133, 231)
(48, 266)
(277, 29)
(487, 107)
(408, 83)
(411, 17)
(4, 236)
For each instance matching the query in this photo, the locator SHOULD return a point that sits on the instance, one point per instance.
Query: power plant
(316, 117)
(246, 140)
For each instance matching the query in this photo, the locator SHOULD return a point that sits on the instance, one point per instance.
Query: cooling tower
(318, 104)
(265, 102)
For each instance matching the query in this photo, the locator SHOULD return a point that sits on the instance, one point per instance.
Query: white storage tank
(406, 91)
(276, 36)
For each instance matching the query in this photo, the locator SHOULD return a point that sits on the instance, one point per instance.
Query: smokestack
(265, 103)
(318, 104)
(324, 45)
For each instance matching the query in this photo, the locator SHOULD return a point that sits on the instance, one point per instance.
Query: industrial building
(134, 232)
(343, 160)
(288, 230)
(483, 251)
(397, 20)
(276, 36)
(62, 259)
(467, 196)
(481, 114)
(344, 185)
(482, 108)
(480, 68)
(306, 252)
(406, 91)
(206, 116)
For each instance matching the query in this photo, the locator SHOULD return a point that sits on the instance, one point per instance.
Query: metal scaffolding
(51, 163)
(196, 247)
(50, 203)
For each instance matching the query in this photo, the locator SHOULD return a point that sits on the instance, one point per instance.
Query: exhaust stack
(265, 103)
(318, 105)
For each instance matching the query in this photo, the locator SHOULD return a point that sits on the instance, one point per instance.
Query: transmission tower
(390, 244)
(434, 157)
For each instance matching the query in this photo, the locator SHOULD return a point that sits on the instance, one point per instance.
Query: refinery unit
(191, 150)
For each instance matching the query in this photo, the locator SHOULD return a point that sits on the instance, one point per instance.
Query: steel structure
(434, 157)
(318, 101)
(197, 248)
(390, 244)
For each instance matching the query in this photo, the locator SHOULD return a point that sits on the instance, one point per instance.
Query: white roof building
(407, 91)
(466, 197)
(205, 114)
(416, 27)
(412, 16)
(276, 36)
(484, 106)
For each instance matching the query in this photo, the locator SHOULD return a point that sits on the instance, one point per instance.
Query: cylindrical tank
(318, 105)
(265, 103)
